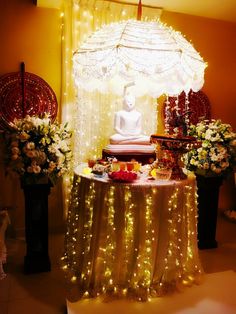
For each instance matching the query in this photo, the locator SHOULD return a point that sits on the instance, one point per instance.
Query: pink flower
(15, 150)
(36, 169)
(14, 157)
(30, 153)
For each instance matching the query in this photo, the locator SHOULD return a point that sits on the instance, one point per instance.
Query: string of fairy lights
(129, 234)
(119, 258)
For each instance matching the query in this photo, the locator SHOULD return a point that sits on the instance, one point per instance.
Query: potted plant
(39, 152)
(38, 149)
(211, 162)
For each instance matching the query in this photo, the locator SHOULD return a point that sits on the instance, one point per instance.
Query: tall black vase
(208, 196)
(36, 228)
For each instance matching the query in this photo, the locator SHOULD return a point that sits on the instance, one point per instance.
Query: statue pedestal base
(143, 158)
(144, 154)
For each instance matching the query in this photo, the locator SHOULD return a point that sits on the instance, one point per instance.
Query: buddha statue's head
(129, 102)
(128, 98)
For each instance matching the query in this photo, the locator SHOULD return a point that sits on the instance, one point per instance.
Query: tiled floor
(32, 294)
(45, 293)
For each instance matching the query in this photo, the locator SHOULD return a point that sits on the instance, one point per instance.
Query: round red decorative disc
(199, 107)
(38, 97)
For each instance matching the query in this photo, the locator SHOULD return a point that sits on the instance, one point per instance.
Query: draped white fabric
(157, 58)
(131, 240)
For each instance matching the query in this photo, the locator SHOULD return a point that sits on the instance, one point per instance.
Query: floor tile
(44, 293)
(4, 288)
(3, 307)
(36, 306)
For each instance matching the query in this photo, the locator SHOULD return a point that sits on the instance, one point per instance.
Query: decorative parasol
(157, 58)
(23, 93)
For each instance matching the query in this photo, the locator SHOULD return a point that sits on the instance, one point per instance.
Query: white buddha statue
(127, 124)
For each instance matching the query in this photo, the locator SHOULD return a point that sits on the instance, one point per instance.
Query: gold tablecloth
(135, 240)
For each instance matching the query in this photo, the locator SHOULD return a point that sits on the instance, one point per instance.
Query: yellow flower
(24, 136)
(153, 173)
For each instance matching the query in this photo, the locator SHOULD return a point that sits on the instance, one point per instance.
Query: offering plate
(176, 146)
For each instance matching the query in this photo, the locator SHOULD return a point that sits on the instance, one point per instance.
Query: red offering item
(122, 176)
(199, 106)
(91, 163)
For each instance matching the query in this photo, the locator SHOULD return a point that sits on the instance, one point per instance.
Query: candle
(115, 166)
(122, 165)
(130, 166)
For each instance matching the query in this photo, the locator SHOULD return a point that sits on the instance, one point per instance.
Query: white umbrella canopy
(156, 58)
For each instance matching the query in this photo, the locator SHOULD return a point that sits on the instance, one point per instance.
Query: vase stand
(36, 228)
(208, 195)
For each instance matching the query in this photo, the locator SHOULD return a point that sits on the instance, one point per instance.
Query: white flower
(64, 147)
(36, 169)
(61, 158)
(218, 148)
(206, 144)
(30, 145)
(208, 135)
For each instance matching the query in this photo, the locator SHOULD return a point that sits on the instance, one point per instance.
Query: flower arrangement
(38, 148)
(122, 176)
(217, 153)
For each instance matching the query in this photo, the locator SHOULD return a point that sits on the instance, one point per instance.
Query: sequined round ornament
(28, 96)
(197, 103)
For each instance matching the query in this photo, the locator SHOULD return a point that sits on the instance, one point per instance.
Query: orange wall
(32, 35)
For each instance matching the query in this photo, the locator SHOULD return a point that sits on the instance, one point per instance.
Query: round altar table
(134, 240)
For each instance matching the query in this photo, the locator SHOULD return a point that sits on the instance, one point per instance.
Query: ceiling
(217, 9)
